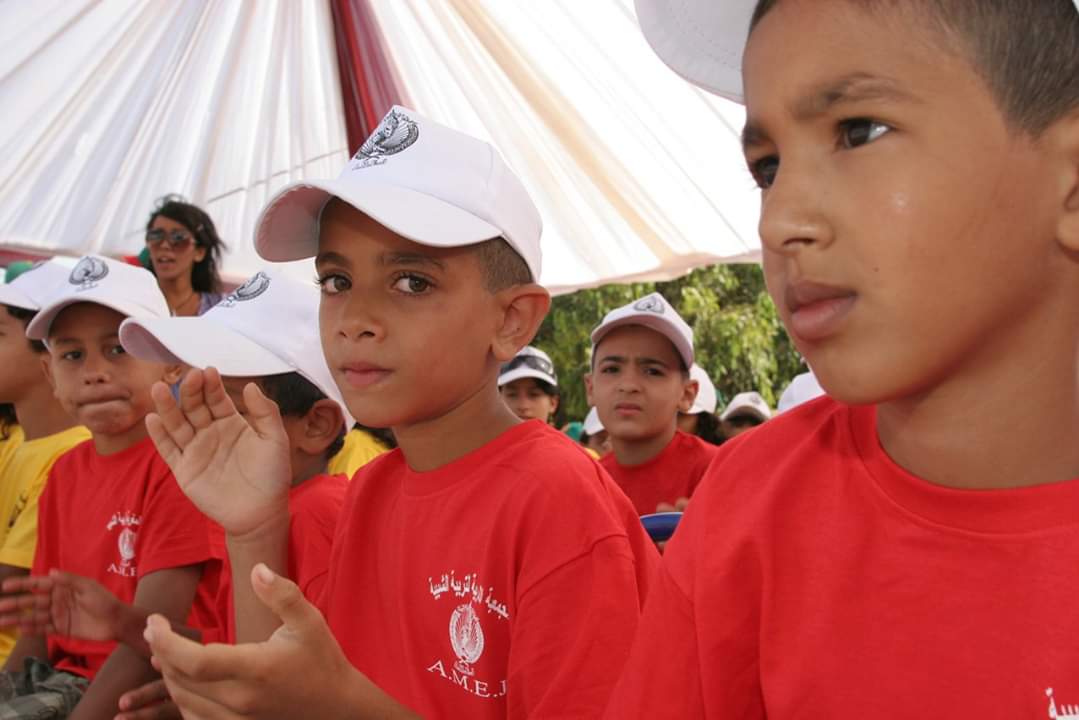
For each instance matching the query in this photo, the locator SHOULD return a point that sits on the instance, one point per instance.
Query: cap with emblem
(652, 311)
(267, 326)
(530, 362)
(747, 404)
(36, 284)
(127, 289)
(422, 180)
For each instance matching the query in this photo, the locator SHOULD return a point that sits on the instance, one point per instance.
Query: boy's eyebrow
(856, 87)
(331, 258)
(410, 258)
(611, 358)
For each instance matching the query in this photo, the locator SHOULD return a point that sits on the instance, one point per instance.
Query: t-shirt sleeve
(173, 532)
(45, 551)
(310, 544)
(21, 539)
(572, 634)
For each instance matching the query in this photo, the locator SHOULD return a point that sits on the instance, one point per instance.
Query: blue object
(660, 526)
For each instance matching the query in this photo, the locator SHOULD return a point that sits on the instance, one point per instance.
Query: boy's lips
(817, 310)
(627, 408)
(362, 375)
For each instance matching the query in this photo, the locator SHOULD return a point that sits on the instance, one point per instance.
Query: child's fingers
(218, 402)
(148, 694)
(173, 420)
(193, 401)
(285, 599)
(24, 602)
(168, 449)
(26, 584)
(188, 660)
(264, 415)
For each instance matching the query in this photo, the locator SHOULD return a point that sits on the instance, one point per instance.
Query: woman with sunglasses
(184, 254)
(529, 385)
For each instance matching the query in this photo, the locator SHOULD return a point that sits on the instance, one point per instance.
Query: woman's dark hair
(383, 435)
(25, 316)
(295, 395)
(7, 420)
(708, 428)
(204, 275)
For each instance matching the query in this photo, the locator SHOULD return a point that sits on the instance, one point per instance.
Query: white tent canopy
(110, 105)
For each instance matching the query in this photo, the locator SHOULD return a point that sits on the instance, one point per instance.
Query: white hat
(705, 401)
(802, 389)
(127, 289)
(424, 181)
(652, 311)
(531, 362)
(701, 40)
(592, 423)
(747, 403)
(36, 286)
(267, 326)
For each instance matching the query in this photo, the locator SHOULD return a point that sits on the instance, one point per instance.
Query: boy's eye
(609, 369)
(412, 284)
(333, 284)
(860, 131)
(117, 350)
(653, 372)
(764, 171)
(71, 355)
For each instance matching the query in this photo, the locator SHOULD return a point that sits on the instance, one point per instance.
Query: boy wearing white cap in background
(594, 437)
(529, 385)
(641, 356)
(48, 430)
(701, 419)
(111, 509)
(744, 412)
(904, 548)
(457, 576)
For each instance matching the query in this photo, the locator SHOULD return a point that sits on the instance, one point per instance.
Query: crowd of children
(196, 516)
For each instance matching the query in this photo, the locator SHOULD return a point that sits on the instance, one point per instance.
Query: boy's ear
(173, 374)
(46, 367)
(523, 309)
(689, 394)
(1066, 133)
(321, 425)
(588, 389)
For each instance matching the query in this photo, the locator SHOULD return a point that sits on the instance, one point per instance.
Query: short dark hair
(204, 275)
(7, 420)
(501, 265)
(709, 428)
(1027, 51)
(25, 316)
(295, 395)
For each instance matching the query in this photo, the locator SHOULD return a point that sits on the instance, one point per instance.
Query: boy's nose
(793, 215)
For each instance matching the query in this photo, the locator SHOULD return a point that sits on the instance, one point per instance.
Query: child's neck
(41, 415)
(637, 452)
(1000, 427)
(112, 444)
(307, 470)
(432, 443)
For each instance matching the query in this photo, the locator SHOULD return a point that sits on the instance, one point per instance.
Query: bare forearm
(26, 646)
(132, 624)
(366, 700)
(254, 621)
(123, 671)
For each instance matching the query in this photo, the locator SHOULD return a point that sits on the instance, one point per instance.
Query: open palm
(236, 472)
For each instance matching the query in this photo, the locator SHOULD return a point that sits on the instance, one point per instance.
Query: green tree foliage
(738, 337)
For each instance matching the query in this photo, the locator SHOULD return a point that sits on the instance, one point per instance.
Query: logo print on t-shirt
(255, 286)
(466, 637)
(126, 543)
(395, 133)
(1066, 712)
(650, 304)
(88, 273)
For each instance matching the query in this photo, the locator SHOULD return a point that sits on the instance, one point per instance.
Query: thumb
(263, 414)
(284, 598)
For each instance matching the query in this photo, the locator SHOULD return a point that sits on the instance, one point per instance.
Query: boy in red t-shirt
(111, 510)
(907, 548)
(641, 356)
(486, 568)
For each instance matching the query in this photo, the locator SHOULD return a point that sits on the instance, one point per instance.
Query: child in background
(641, 355)
(110, 510)
(701, 419)
(904, 547)
(484, 569)
(10, 433)
(744, 412)
(595, 439)
(529, 385)
(47, 430)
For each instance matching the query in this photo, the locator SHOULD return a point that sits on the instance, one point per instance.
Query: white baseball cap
(267, 326)
(701, 40)
(652, 311)
(127, 289)
(422, 180)
(530, 362)
(747, 403)
(592, 423)
(802, 389)
(705, 401)
(36, 286)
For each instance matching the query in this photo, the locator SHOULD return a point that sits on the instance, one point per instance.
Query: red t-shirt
(117, 518)
(672, 474)
(314, 507)
(812, 577)
(506, 584)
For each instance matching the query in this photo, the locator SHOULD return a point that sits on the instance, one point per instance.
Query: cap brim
(38, 329)
(15, 298)
(199, 343)
(653, 322)
(701, 40)
(743, 410)
(288, 227)
(525, 372)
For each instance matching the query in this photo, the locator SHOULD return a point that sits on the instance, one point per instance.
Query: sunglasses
(177, 239)
(529, 361)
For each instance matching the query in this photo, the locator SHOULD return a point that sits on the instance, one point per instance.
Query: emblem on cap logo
(250, 290)
(395, 133)
(88, 272)
(649, 304)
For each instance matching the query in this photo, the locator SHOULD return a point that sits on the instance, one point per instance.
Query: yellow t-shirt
(8, 446)
(360, 448)
(23, 480)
